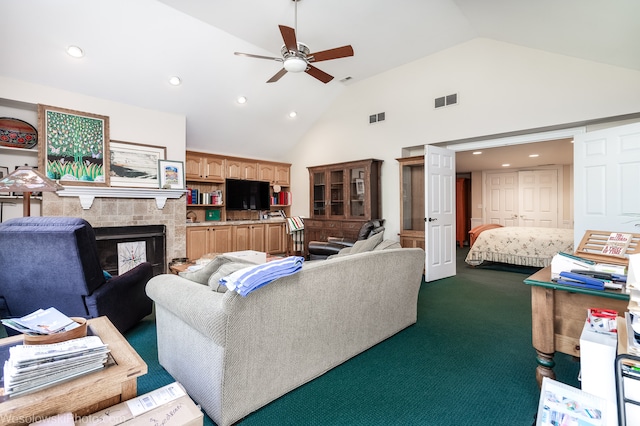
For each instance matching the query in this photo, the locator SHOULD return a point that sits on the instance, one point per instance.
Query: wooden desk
(83, 395)
(558, 314)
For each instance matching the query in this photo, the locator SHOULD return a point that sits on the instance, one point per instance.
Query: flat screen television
(247, 195)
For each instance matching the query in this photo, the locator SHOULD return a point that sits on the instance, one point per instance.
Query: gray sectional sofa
(235, 354)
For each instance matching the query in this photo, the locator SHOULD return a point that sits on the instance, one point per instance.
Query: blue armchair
(53, 261)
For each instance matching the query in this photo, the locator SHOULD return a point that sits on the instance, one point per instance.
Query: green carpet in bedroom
(467, 361)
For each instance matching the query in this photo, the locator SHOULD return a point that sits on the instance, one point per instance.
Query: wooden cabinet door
(250, 171)
(266, 172)
(220, 239)
(214, 169)
(241, 237)
(275, 238)
(192, 167)
(197, 242)
(248, 237)
(257, 237)
(237, 169)
(282, 175)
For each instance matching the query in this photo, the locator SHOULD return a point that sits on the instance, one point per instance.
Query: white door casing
(607, 180)
(440, 210)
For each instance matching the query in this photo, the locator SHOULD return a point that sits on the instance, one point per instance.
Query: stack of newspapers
(34, 367)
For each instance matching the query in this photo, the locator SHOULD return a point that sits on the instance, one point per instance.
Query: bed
(515, 245)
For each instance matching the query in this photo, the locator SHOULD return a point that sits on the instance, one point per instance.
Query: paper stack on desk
(576, 271)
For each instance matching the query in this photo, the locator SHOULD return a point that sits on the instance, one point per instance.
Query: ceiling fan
(296, 56)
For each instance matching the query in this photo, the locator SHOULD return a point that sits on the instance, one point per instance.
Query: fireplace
(132, 242)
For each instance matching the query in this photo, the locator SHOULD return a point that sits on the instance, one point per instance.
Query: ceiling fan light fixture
(295, 64)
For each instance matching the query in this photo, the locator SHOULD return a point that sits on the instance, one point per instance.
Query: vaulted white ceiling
(133, 47)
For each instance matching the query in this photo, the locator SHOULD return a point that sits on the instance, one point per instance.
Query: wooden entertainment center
(216, 229)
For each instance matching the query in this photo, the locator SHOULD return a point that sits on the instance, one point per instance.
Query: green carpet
(467, 361)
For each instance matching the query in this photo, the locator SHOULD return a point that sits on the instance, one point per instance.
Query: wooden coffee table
(83, 395)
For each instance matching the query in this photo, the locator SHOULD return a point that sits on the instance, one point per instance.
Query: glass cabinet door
(319, 194)
(412, 179)
(336, 178)
(357, 192)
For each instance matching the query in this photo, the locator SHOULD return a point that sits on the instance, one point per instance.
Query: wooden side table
(558, 314)
(83, 395)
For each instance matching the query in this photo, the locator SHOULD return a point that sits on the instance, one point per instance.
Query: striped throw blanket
(245, 280)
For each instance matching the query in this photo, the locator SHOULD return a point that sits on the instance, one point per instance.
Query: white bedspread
(520, 245)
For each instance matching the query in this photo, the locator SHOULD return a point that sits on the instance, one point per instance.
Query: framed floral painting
(75, 148)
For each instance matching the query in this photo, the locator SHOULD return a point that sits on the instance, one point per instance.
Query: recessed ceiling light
(242, 99)
(506, 165)
(477, 152)
(534, 155)
(75, 51)
(175, 81)
(293, 114)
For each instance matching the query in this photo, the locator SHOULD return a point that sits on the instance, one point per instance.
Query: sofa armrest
(195, 304)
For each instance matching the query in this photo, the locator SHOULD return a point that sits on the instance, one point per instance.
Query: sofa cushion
(368, 244)
(387, 244)
(361, 246)
(225, 270)
(202, 275)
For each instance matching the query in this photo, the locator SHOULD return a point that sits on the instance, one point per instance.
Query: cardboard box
(167, 406)
(597, 358)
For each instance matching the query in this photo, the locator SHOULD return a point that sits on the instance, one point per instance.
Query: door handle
(432, 219)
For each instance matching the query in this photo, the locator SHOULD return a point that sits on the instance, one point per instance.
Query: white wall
(501, 88)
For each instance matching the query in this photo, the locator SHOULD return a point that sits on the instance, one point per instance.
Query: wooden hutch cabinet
(342, 197)
(412, 201)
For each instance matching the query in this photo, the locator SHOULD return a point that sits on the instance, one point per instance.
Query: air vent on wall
(374, 118)
(446, 100)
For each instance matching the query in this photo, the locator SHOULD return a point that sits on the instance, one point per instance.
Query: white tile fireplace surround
(124, 211)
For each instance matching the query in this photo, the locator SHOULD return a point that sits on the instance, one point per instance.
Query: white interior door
(440, 209)
(538, 198)
(606, 176)
(501, 190)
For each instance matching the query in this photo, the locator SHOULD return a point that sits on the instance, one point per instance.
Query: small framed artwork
(75, 149)
(4, 172)
(134, 164)
(171, 174)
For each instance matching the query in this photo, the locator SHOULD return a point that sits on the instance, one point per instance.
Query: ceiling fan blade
(289, 37)
(325, 55)
(320, 75)
(278, 76)
(249, 55)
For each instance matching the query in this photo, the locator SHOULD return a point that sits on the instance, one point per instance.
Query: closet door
(501, 193)
(522, 198)
(538, 198)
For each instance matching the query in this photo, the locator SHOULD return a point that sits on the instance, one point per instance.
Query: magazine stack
(33, 367)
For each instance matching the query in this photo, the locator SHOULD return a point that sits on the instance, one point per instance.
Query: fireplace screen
(122, 248)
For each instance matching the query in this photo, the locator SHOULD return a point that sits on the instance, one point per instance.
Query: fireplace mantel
(87, 194)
